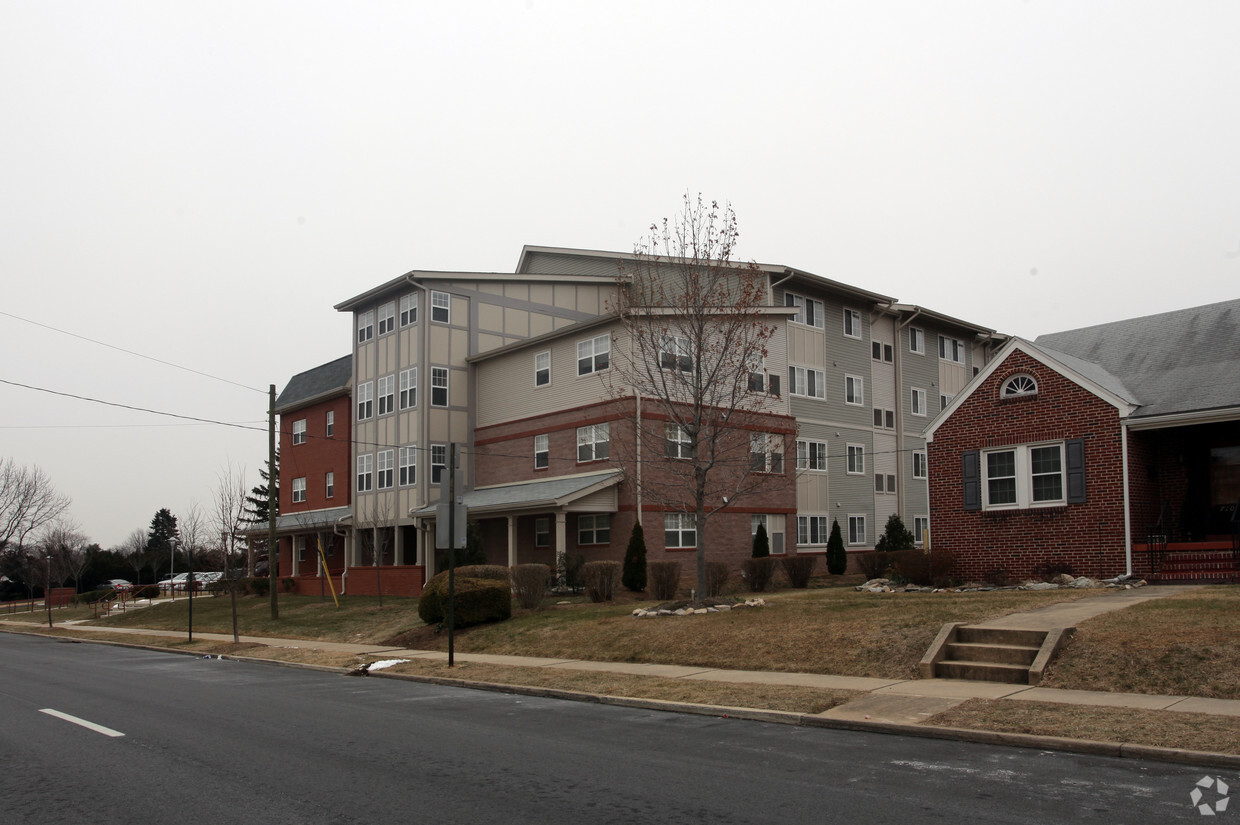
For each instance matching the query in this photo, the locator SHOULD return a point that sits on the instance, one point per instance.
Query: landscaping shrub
(664, 579)
(483, 571)
(798, 569)
(1051, 569)
(873, 565)
(146, 591)
(573, 565)
(837, 557)
(999, 577)
(477, 601)
(758, 573)
(92, 596)
(256, 586)
(717, 574)
(287, 584)
(634, 577)
(529, 584)
(601, 578)
(895, 536)
(926, 568)
(761, 543)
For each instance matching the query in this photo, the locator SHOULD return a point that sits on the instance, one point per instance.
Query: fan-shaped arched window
(1018, 385)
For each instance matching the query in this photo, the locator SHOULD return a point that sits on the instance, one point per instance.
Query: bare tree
(133, 549)
(194, 529)
(228, 517)
(28, 502)
(696, 326)
(67, 545)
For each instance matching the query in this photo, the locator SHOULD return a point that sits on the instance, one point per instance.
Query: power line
(130, 352)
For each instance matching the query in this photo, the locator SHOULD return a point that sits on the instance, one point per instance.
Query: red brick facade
(317, 455)
(1021, 543)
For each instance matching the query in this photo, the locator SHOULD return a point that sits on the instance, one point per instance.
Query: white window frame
(921, 524)
(590, 528)
(917, 402)
(542, 368)
(809, 311)
(329, 424)
(387, 394)
(593, 442)
(542, 452)
(919, 464)
(385, 469)
(299, 490)
(766, 454)
(854, 390)
(542, 532)
(365, 473)
(677, 442)
(855, 465)
(439, 381)
(299, 547)
(778, 546)
(1024, 475)
(594, 354)
(811, 455)
(387, 317)
(299, 431)
(439, 462)
(675, 352)
(329, 484)
(679, 531)
(951, 349)
(409, 388)
(916, 340)
(884, 419)
(1018, 386)
(856, 537)
(813, 530)
(441, 307)
(807, 382)
(852, 323)
(409, 309)
(365, 401)
(365, 326)
(944, 400)
(407, 461)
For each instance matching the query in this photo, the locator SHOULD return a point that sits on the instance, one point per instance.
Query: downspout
(344, 573)
(1123, 431)
(421, 491)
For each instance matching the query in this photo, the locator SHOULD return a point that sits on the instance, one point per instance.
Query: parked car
(119, 585)
(177, 582)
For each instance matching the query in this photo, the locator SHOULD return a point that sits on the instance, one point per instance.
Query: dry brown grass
(1159, 728)
(1180, 645)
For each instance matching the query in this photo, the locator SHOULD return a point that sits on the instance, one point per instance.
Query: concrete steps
(991, 654)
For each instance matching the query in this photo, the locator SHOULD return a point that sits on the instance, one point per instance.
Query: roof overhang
(306, 521)
(538, 496)
(922, 312)
(1184, 419)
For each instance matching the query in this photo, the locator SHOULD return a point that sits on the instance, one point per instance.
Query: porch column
(293, 552)
(512, 541)
(561, 545)
(398, 546)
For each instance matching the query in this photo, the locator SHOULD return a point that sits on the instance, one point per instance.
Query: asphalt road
(216, 741)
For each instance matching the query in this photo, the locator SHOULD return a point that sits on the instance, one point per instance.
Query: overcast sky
(202, 182)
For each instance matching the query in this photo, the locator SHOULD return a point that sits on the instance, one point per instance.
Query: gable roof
(1176, 362)
(323, 382)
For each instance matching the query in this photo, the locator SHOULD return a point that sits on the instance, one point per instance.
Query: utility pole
(273, 549)
(451, 555)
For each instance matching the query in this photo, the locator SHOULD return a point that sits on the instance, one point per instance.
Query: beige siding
(813, 491)
(806, 346)
(490, 317)
(604, 501)
(516, 323)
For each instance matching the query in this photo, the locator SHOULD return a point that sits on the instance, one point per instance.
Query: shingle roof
(528, 494)
(320, 382)
(1175, 362)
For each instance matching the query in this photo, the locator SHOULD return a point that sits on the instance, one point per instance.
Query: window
(330, 425)
(916, 341)
(812, 530)
(856, 459)
(409, 388)
(439, 462)
(944, 400)
(919, 402)
(766, 453)
(774, 530)
(852, 323)
(919, 463)
(808, 382)
(387, 317)
(809, 311)
(387, 394)
(854, 390)
(439, 386)
(1018, 385)
(365, 326)
(365, 473)
(387, 459)
(856, 529)
(679, 530)
(884, 483)
(593, 442)
(675, 353)
(542, 452)
(365, 400)
(594, 529)
(299, 431)
(891, 483)
(811, 455)
(542, 532)
(884, 419)
(542, 369)
(299, 490)
(678, 444)
(408, 462)
(441, 308)
(882, 352)
(409, 309)
(951, 349)
(299, 543)
(1025, 476)
(329, 485)
(593, 354)
(920, 525)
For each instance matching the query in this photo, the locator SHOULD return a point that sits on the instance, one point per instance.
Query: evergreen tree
(264, 495)
(761, 543)
(634, 574)
(837, 559)
(895, 535)
(159, 540)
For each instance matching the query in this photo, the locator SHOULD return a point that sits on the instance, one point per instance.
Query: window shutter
(1075, 462)
(972, 480)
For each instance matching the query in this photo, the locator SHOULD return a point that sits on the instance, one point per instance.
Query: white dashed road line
(82, 722)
